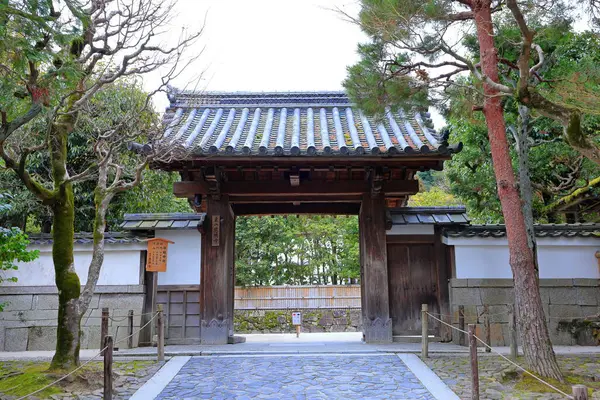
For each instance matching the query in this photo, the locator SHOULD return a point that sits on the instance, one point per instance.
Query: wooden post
(474, 367)
(160, 328)
(486, 326)
(461, 325)
(377, 324)
(130, 330)
(512, 332)
(108, 359)
(580, 392)
(424, 329)
(217, 272)
(103, 327)
(297, 330)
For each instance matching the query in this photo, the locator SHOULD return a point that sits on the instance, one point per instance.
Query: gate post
(377, 324)
(216, 270)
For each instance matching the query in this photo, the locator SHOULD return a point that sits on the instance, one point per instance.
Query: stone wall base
(313, 320)
(28, 321)
(563, 300)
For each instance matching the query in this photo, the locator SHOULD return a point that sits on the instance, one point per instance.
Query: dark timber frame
(225, 188)
(294, 153)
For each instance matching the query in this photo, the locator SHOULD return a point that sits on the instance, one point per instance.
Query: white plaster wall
(183, 259)
(121, 266)
(558, 259)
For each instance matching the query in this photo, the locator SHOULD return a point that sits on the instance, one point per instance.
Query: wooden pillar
(377, 325)
(443, 276)
(216, 281)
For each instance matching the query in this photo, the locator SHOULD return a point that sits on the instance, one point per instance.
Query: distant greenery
(296, 250)
(13, 246)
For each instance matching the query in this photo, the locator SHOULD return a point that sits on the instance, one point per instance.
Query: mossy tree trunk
(63, 208)
(533, 329)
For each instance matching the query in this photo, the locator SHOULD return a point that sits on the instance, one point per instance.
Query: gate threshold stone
(428, 378)
(152, 388)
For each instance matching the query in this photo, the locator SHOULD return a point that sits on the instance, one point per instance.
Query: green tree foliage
(296, 250)
(13, 246)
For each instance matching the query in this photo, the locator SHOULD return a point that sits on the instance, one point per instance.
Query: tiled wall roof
(151, 222)
(429, 215)
(293, 124)
(541, 231)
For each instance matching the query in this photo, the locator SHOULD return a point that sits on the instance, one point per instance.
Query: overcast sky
(268, 45)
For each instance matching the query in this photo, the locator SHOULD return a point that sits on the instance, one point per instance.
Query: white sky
(267, 45)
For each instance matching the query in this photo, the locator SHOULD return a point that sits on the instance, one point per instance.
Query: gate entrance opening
(305, 153)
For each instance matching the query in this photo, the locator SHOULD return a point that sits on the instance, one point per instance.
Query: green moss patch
(27, 378)
(527, 383)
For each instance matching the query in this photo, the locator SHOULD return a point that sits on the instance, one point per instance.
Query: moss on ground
(527, 384)
(30, 377)
(21, 378)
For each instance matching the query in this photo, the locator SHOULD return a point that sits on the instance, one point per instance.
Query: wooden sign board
(216, 230)
(156, 260)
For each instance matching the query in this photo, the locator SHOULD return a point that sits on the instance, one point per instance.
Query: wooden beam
(303, 208)
(283, 188)
(343, 198)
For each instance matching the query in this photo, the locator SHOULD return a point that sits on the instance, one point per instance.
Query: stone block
(457, 283)
(29, 318)
(45, 302)
(565, 311)
(494, 283)
(122, 301)
(563, 295)
(498, 313)
(559, 336)
(497, 335)
(497, 296)
(15, 339)
(556, 282)
(41, 338)
(545, 294)
(466, 296)
(587, 296)
(586, 282)
(2, 334)
(17, 302)
(90, 338)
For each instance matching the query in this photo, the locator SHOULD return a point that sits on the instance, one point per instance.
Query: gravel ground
(128, 377)
(495, 379)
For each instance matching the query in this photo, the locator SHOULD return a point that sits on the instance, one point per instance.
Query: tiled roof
(429, 215)
(292, 124)
(152, 222)
(541, 231)
(88, 238)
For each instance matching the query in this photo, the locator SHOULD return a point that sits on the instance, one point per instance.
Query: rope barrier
(64, 377)
(88, 361)
(505, 358)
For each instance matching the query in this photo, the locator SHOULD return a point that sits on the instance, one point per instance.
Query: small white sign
(297, 318)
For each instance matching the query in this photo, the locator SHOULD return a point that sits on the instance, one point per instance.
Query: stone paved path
(293, 377)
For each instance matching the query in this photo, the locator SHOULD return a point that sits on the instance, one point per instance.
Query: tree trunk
(69, 318)
(537, 347)
(68, 331)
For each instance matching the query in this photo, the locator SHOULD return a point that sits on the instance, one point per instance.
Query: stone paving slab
(296, 377)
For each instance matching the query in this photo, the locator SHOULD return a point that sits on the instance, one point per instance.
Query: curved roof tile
(296, 124)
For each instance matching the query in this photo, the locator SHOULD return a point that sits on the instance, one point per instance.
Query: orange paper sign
(156, 260)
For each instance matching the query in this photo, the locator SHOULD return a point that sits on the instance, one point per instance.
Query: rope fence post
(103, 327)
(108, 361)
(512, 332)
(160, 328)
(486, 326)
(424, 329)
(130, 331)
(580, 392)
(474, 366)
(461, 325)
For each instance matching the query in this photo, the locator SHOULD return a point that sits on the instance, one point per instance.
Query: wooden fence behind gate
(297, 297)
(182, 304)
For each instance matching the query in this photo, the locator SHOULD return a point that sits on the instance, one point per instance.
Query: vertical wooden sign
(156, 260)
(216, 230)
